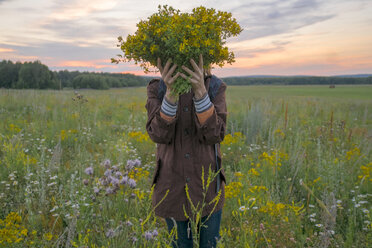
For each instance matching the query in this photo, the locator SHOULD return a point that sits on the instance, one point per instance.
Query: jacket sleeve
(212, 131)
(160, 130)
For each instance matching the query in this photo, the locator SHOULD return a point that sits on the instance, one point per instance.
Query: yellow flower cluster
(138, 174)
(354, 152)
(139, 136)
(11, 230)
(64, 133)
(233, 189)
(236, 138)
(279, 209)
(280, 133)
(170, 34)
(275, 158)
(14, 128)
(366, 171)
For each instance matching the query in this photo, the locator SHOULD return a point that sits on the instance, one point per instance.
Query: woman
(187, 129)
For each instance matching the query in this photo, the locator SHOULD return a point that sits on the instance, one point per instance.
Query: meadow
(76, 168)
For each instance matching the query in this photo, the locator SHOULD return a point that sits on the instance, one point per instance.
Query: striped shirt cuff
(168, 108)
(202, 104)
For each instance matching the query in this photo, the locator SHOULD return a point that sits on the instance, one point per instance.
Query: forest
(35, 75)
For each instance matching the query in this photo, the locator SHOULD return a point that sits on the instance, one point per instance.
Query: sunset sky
(296, 37)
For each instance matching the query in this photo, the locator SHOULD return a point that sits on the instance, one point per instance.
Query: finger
(174, 78)
(170, 72)
(166, 68)
(183, 75)
(189, 71)
(194, 65)
(159, 66)
(201, 62)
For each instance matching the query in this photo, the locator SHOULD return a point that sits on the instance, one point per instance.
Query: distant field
(363, 92)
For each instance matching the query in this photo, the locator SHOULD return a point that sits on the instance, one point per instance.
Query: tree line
(35, 75)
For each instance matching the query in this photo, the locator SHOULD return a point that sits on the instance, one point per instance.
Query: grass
(297, 159)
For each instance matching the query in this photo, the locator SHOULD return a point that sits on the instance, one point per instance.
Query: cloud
(6, 50)
(261, 19)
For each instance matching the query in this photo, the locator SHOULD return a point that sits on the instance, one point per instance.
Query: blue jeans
(208, 235)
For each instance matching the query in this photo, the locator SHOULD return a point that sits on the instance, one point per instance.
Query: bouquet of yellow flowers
(181, 37)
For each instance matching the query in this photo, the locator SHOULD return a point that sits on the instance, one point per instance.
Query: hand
(197, 77)
(166, 75)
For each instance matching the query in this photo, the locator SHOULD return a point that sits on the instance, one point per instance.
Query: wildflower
(155, 233)
(128, 223)
(114, 181)
(110, 233)
(134, 239)
(124, 180)
(132, 183)
(242, 208)
(106, 163)
(312, 219)
(312, 215)
(89, 171)
(51, 184)
(318, 225)
(107, 173)
(357, 205)
(54, 177)
(148, 235)
(118, 174)
(311, 206)
(262, 226)
(109, 191)
(86, 182)
(130, 164)
(363, 202)
(114, 168)
(365, 211)
(137, 162)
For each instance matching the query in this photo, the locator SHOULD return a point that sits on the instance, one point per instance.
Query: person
(187, 129)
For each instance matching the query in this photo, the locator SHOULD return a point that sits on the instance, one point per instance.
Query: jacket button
(188, 179)
(187, 155)
(186, 131)
(185, 109)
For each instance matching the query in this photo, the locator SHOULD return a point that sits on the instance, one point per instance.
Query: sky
(280, 37)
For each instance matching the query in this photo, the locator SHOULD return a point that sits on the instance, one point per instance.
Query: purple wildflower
(155, 233)
(110, 233)
(86, 182)
(114, 181)
(124, 180)
(109, 190)
(96, 190)
(114, 168)
(137, 162)
(103, 181)
(118, 174)
(107, 173)
(130, 164)
(128, 223)
(107, 163)
(148, 235)
(89, 171)
(134, 239)
(132, 183)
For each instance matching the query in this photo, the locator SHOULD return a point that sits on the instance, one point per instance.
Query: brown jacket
(184, 146)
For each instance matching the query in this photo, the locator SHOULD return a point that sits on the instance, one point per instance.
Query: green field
(298, 161)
